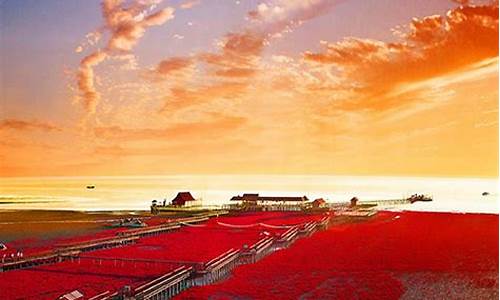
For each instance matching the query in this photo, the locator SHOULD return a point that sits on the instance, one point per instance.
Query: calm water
(124, 193)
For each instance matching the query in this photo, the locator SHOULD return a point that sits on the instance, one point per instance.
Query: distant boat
(90, 187)
(417, 198)
(129, 222)
(485, 193)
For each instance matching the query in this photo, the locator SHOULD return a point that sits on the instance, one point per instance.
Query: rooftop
(256, 197)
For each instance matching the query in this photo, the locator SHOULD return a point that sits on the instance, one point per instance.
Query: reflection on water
(128, 193)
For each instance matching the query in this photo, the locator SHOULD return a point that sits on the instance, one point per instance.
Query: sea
(137, 192)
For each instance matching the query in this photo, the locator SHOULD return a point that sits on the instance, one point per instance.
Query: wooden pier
(386, 202)
(186, 274)
(166, 286)
(219, 268)
(68, 250)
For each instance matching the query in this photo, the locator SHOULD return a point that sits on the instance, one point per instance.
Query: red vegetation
(369, 260)
(198, 244)
(90, 277)
(206, 241)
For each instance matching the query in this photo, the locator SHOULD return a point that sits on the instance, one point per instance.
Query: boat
(129, 222)
(419, 198)
(90, 187)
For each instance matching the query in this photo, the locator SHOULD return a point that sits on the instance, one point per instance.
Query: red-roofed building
(185, 199)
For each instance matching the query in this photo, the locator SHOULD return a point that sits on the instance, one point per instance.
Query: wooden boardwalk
(386, 202)
(187, 273)
(69, 250)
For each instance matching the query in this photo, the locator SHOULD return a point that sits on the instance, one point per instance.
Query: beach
(42, 225)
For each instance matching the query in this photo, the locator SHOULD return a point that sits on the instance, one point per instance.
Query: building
(319, 203)
(185, 199)
(256, 202)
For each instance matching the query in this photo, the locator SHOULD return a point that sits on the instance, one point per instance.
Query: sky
(150, 87)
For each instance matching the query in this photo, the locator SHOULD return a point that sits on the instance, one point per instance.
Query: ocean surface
(137, 192)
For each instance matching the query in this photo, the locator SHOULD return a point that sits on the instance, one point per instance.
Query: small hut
(354, 202)
(185, 199)
(319, 203)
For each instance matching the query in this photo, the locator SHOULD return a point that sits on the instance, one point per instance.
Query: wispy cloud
(187, 4)
(213, 127)
(432, 46)
(85, 80)
(126, 24)
(173, 64)
(17, 124)
(229, 70)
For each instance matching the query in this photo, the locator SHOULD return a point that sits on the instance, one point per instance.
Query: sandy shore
(49, 224)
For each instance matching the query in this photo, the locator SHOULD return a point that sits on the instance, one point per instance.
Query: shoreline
(145, 211)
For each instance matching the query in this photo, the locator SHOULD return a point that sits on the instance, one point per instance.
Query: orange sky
(278, 90)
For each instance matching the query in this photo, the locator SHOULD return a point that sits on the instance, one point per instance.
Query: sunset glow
(379, 87)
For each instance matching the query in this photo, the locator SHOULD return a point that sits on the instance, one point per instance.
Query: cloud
(129, 61)
(158, 18)
(211, 127)
(190, 149)
(236, 72)
(235, 63)
(85, 80)
(432, 46)
(238, 50)
(462, 2)
(16, 124)
(91, 39)
(187, 4)
(126, 23)
(180, 98)
(231, 68)
(173, 64)
(283, 15)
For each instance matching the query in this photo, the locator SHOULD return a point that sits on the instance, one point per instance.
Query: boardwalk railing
(122, 238)
(43, 259)
(153, 230)
(95, 244)
(64, 251)
(195, 274)
(262, 248)
(217, 268)
(308, 229)
(323, 223)
(287, 238)
(166, 286)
